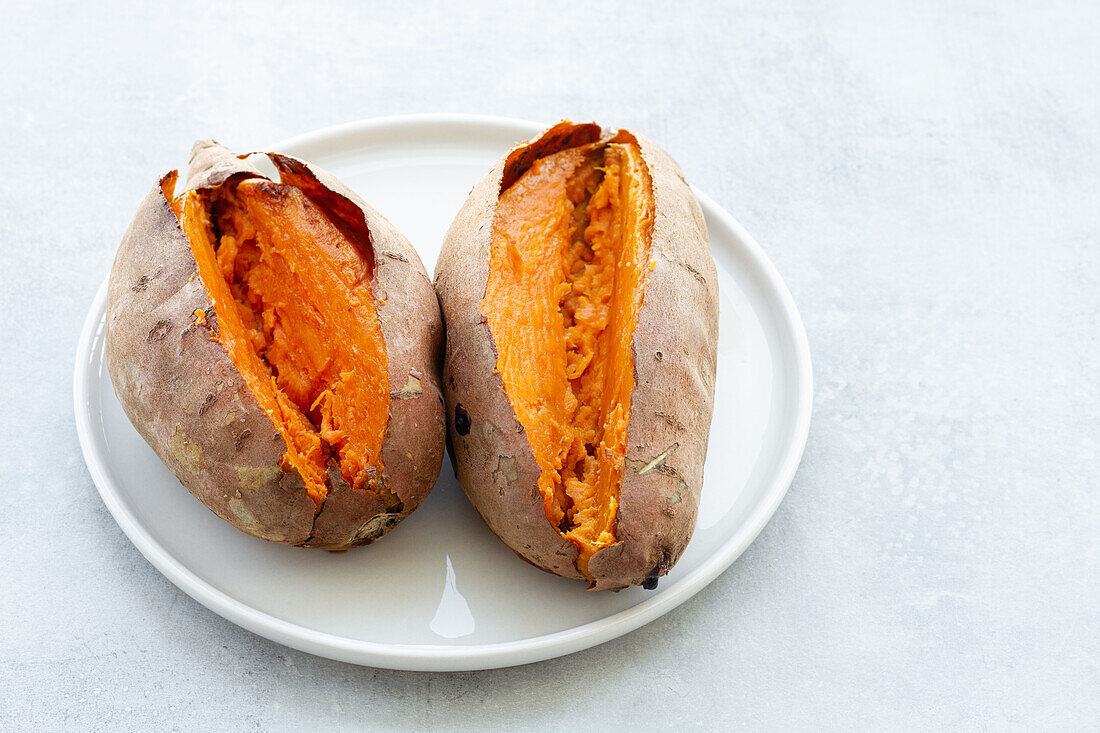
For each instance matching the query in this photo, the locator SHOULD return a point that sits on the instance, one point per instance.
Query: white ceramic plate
(440, 592)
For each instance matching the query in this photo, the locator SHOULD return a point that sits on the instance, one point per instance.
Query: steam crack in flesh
(569, 254)
(295, 311)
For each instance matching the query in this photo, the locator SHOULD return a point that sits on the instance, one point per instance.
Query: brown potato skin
(675, 355)
(188, 401)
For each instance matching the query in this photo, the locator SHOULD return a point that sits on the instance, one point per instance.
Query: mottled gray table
(925, 176)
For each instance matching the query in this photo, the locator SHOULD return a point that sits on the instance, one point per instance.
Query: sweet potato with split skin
(277, 344)
(581, 306)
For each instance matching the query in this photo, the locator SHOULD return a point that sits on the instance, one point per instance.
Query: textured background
(924, 175)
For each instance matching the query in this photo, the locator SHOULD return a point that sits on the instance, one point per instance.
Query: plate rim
(440, 657)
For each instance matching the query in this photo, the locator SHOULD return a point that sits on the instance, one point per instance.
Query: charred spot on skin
(159, 331)
(664, 560)
(462, 420)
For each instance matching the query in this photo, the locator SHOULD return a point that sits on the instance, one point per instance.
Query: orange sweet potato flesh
(292, 294)
(568, 262)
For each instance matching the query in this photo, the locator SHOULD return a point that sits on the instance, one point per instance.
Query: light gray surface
(924, 176)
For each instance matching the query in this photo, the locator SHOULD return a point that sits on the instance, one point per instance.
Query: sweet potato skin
(675, 354)
(189, 402)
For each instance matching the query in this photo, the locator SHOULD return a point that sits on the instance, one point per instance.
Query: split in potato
(580, 301)
(296, 314)
(566, 279)
(277, 344)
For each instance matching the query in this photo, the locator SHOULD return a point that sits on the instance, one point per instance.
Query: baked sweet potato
(581, 306)
(278, 345)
